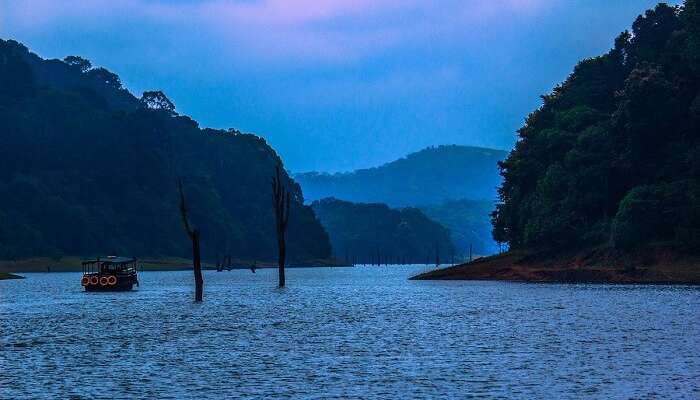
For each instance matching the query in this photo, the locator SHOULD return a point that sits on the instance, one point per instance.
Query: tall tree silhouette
(193, 233)
(281, 200)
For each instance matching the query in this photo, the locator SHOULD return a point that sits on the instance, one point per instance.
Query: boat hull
(113, 288)
(123, 283)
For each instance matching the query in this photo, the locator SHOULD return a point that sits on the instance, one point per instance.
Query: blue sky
(336, 84)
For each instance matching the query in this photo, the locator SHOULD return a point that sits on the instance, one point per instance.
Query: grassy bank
(73, 264)
(5, 275)
(653, 265)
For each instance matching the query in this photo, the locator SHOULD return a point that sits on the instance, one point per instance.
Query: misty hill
(430, 176)
(468, 222)
(359, 231)
(612, 158)
(453, 185)
(88, 168)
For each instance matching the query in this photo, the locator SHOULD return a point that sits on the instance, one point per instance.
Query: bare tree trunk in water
(437, 255)
(281, 199)
(197, 262)
(196, 253)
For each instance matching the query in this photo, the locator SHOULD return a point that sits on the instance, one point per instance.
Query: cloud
(306, 31)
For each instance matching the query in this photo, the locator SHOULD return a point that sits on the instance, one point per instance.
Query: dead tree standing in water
(281, 199)
(437, 255)
(194, 237)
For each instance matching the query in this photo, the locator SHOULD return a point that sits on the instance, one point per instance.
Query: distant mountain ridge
(430, 176)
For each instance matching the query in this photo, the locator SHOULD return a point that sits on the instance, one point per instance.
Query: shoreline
(7, 275)
(655, 265)
(73, 264)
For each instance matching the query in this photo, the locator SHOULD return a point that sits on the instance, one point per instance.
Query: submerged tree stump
(196, 252)
(281, 200)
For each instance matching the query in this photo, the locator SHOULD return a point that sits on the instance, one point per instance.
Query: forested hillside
(87, 168)
(613, 154)
(430, 176)
(468, 223)
(367, 232)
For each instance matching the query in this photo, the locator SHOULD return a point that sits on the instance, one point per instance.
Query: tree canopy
(613, 154)
(367, 232)
(87, 168)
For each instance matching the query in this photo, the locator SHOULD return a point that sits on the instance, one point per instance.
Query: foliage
(657, 213)
(361, 231)
(78, 62)
(605, 154)
(157, 100)
(87, 168)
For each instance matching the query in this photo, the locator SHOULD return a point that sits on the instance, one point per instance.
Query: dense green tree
(86, 168)
(78, 62)
(611, 156)
(157, 100)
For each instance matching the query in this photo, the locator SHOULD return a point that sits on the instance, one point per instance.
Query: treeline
(468, 223)
(87, 168)
(613, 154)
(374, 233)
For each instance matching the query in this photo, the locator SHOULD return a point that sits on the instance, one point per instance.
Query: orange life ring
(85, 281)
(94, 280)
(112, 280)
(103, 280)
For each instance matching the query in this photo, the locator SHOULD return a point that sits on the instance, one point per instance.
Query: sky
(335, 85)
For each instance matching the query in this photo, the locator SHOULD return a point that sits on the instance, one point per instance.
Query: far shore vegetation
(73, 264)
(6, 275)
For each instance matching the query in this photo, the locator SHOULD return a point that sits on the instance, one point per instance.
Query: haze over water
(350, 333)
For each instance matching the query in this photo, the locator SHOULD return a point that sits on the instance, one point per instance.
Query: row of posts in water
(373, 260)
(380, 260)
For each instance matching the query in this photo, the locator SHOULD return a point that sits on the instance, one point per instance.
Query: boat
(109, 274)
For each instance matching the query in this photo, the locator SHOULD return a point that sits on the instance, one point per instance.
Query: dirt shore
(602, 265)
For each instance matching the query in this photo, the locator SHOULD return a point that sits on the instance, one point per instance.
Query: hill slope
(367, 232)
(468, 223)
(430, 176)
(87, 168)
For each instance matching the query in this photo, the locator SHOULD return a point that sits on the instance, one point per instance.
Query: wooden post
(281, 199)
(437, 255)
(470, 252)
(194, 237)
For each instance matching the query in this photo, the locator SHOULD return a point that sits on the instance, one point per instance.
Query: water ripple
(348, 333)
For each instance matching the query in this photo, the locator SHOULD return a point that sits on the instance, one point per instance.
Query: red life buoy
(85, 281)
(103, 281)
(112, 280)
(94, 280)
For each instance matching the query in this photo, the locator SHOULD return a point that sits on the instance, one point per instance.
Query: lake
(364, 332)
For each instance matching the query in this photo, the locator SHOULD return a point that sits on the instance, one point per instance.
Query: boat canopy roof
(110, 260)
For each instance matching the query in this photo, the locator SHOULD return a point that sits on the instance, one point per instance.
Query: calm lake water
(346, 333)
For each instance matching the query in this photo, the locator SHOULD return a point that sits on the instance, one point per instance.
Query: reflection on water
(346, 333)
